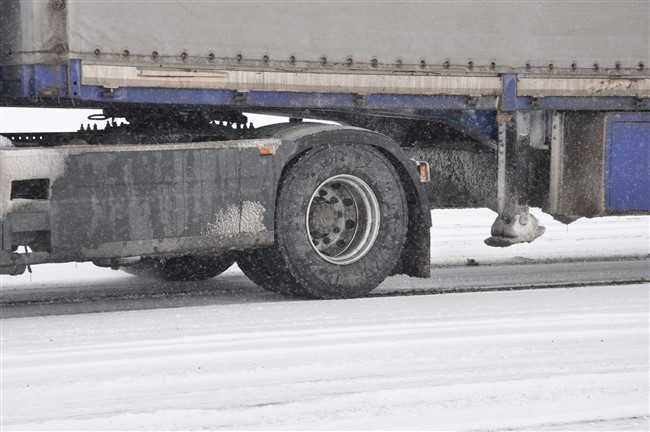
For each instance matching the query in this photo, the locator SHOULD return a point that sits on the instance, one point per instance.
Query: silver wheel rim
(343, 219)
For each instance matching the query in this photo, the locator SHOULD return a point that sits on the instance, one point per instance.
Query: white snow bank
(458, 235)
(5, 142)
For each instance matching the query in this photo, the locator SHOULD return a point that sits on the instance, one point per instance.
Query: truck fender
(299, 138)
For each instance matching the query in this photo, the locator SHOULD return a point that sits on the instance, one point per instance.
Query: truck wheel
(341, 221)
(266, 268)
(188, 268)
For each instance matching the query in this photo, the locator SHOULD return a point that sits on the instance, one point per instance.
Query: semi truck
(504, 105)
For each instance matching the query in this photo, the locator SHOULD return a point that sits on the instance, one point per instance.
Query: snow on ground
(542, 359)
(556, 359)
(457, 235)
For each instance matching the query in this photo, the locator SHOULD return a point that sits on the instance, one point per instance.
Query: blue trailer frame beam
(59, 85)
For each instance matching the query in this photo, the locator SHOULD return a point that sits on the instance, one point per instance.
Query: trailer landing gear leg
(514, 224)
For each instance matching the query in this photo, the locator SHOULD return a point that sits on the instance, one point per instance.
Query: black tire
(266, 268)
(371, 222)
(187, 268)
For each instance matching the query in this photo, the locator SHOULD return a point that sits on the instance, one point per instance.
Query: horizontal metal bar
(24, 83)
(593, 103)
(545, 87)
(112, 76)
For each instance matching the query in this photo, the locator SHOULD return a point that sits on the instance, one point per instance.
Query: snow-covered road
(560, 358)
(232, 287)
(548, 359)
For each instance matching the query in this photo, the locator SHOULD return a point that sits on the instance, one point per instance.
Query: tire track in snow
(470, 361)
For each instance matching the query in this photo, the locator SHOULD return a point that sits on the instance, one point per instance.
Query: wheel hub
(324, 218)
(343, 219)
